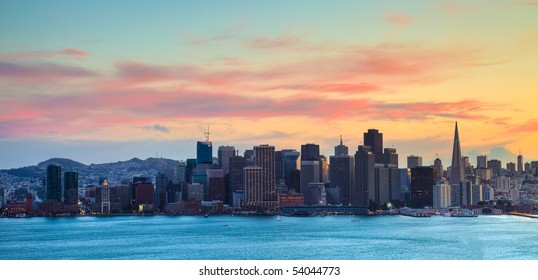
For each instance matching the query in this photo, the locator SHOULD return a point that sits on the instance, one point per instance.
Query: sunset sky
(102, 81)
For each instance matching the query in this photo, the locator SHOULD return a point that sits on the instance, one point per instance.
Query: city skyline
(112, 84)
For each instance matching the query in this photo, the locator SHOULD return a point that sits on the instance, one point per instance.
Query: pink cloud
(142, 108)
(399, 18)
(134, 96)
(42, 73)
(360, 69)
(74, 52)
(69, 53)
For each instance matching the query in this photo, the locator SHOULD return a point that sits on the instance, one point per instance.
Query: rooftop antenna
(206, 133)
(341, 140)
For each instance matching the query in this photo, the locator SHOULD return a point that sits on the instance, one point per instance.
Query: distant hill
(66, 164)
(135, 165)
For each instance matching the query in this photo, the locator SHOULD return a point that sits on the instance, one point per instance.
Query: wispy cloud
(158, 127)
(284, 41)
(42, 72)
(66, 53)
(398, 18)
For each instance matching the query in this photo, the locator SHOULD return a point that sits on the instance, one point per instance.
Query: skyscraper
(511, 167)
(457, 168)
(520, 163)
(374, 139)
(181, 172)
(342, 175)
(341, 150)
(190, 169)
(438, 166)
(482, 161)
(496, 167)
(204, 152)
(309, 174)
(323, 169)
(224, 155)
(290, 168)
(364, 176)
(442, 194)
(414, 161)
(309, 151)
(215, 184)
(71, 187)
(390, 158)
(253, 186)
(264, 157)
(422, 181)
(54, 182)
(236, 178)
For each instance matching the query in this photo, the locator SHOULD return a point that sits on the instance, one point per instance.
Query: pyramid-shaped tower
(457, 173)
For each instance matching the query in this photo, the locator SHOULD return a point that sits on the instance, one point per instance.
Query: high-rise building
(264, 157)
(279, 166)
(323, 169)
(54, 182)
(253, 186)
(190, 169)
(534, 167)
(309, 151)
(496, 167)
(422, 181)
(374, 140)
(442, 194)
(224, 155)
(105, 198)
(144, 194)
(236, 178)
(390, 158)
(482, 161)
(438, 166)
(195, 191)
(215, 184)
(387, 185)
(289, 168)
(520, 163)
(502, 184)
(318, 194)
(364, 176)
(120, 198)
(181, 172)
(488, 193)
(204, 152)
(249, 157)
(342, 176)
(457, 168)
(466, 193)
(511, 167)
(405, 181)
(414, 161)
(527, 167)
(484, 174)
(71, 187)
(341, 150)
(309, 174)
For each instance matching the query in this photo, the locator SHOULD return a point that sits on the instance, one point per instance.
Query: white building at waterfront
(441, 194)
